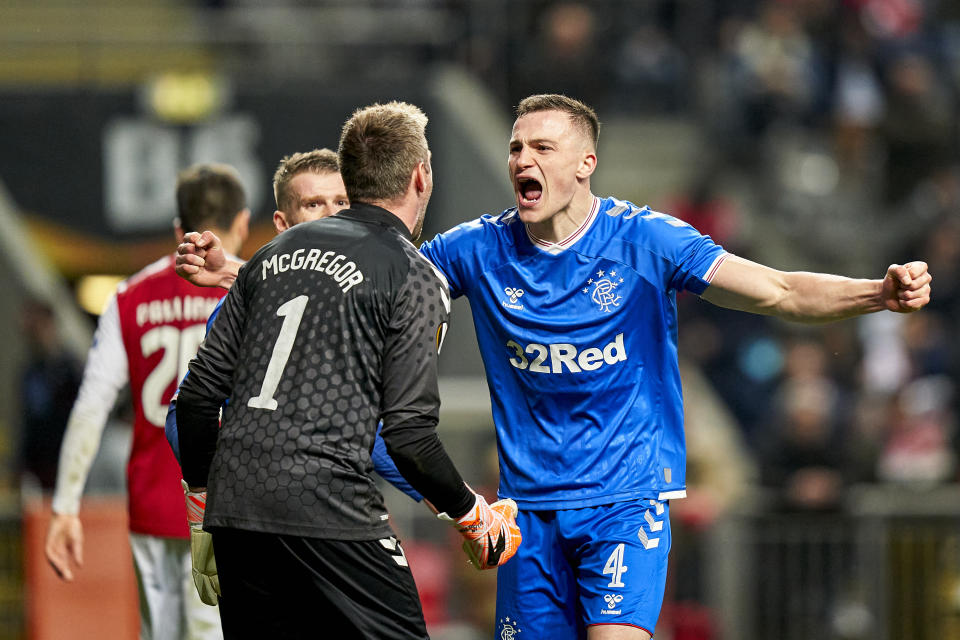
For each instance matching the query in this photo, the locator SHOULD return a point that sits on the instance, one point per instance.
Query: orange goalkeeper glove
(491, 532)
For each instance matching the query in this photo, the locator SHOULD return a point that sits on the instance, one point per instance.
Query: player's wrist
(65, 508)
(196, 502)
(463, 505)
(227, 281)
(228, 273)
(474, 515)
(458, 516)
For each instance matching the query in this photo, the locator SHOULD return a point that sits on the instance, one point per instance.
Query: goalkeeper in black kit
(330, 327)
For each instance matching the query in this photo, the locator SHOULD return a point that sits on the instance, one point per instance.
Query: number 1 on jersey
(292, 313)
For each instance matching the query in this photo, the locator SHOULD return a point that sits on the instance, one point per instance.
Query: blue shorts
(581, 567)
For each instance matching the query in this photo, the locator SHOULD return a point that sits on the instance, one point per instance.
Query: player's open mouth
(529, 191)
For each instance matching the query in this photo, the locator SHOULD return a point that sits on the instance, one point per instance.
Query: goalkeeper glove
(201, 548)
(491, 532)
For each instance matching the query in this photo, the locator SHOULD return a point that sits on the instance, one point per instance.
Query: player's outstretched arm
(816, 297)
(202, 261)
(64, 545)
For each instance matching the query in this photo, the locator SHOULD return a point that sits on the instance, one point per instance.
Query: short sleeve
(689, 258)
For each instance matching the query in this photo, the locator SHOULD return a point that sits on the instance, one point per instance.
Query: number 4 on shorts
(615, 567)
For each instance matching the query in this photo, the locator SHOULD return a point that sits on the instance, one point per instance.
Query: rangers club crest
(603, 290)
(508, 629)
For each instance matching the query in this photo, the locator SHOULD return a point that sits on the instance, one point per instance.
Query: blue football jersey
(579, 343)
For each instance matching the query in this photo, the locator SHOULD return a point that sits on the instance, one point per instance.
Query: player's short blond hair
(318, 161)
(582, 115)
(379, 148)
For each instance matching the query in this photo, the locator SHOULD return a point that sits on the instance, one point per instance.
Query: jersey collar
(372, 213)
(557, 247)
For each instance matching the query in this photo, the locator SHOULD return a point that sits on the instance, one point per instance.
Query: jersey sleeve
(104, 375)
(170, 426)
(689, 259)
(411, 397)
(206, 386)
(419, 317)
(445, 252)
(437, 251)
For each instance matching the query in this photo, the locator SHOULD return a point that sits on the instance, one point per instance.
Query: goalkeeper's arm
(490, 531)
(423, 462)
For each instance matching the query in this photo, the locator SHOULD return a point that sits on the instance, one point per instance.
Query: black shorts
(288, 587)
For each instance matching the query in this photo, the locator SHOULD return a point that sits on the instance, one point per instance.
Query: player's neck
(404, 208)
(564, 222)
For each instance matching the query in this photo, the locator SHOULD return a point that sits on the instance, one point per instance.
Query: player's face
(317, 195)
(547, 164)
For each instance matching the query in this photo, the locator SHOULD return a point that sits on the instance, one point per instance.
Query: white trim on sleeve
(672, 495)
(714, 266)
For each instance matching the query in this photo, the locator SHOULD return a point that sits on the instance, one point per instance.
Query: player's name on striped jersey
(341, 268)
(175, 309)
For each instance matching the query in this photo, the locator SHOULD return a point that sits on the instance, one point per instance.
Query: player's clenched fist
(200, 258)
(906, 287)
(491, 532)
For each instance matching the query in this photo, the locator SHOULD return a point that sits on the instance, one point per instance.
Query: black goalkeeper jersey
(330, 327)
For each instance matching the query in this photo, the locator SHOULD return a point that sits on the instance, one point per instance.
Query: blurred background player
(49, 382)
(307, 186)
(145, 338)
(300, 528)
